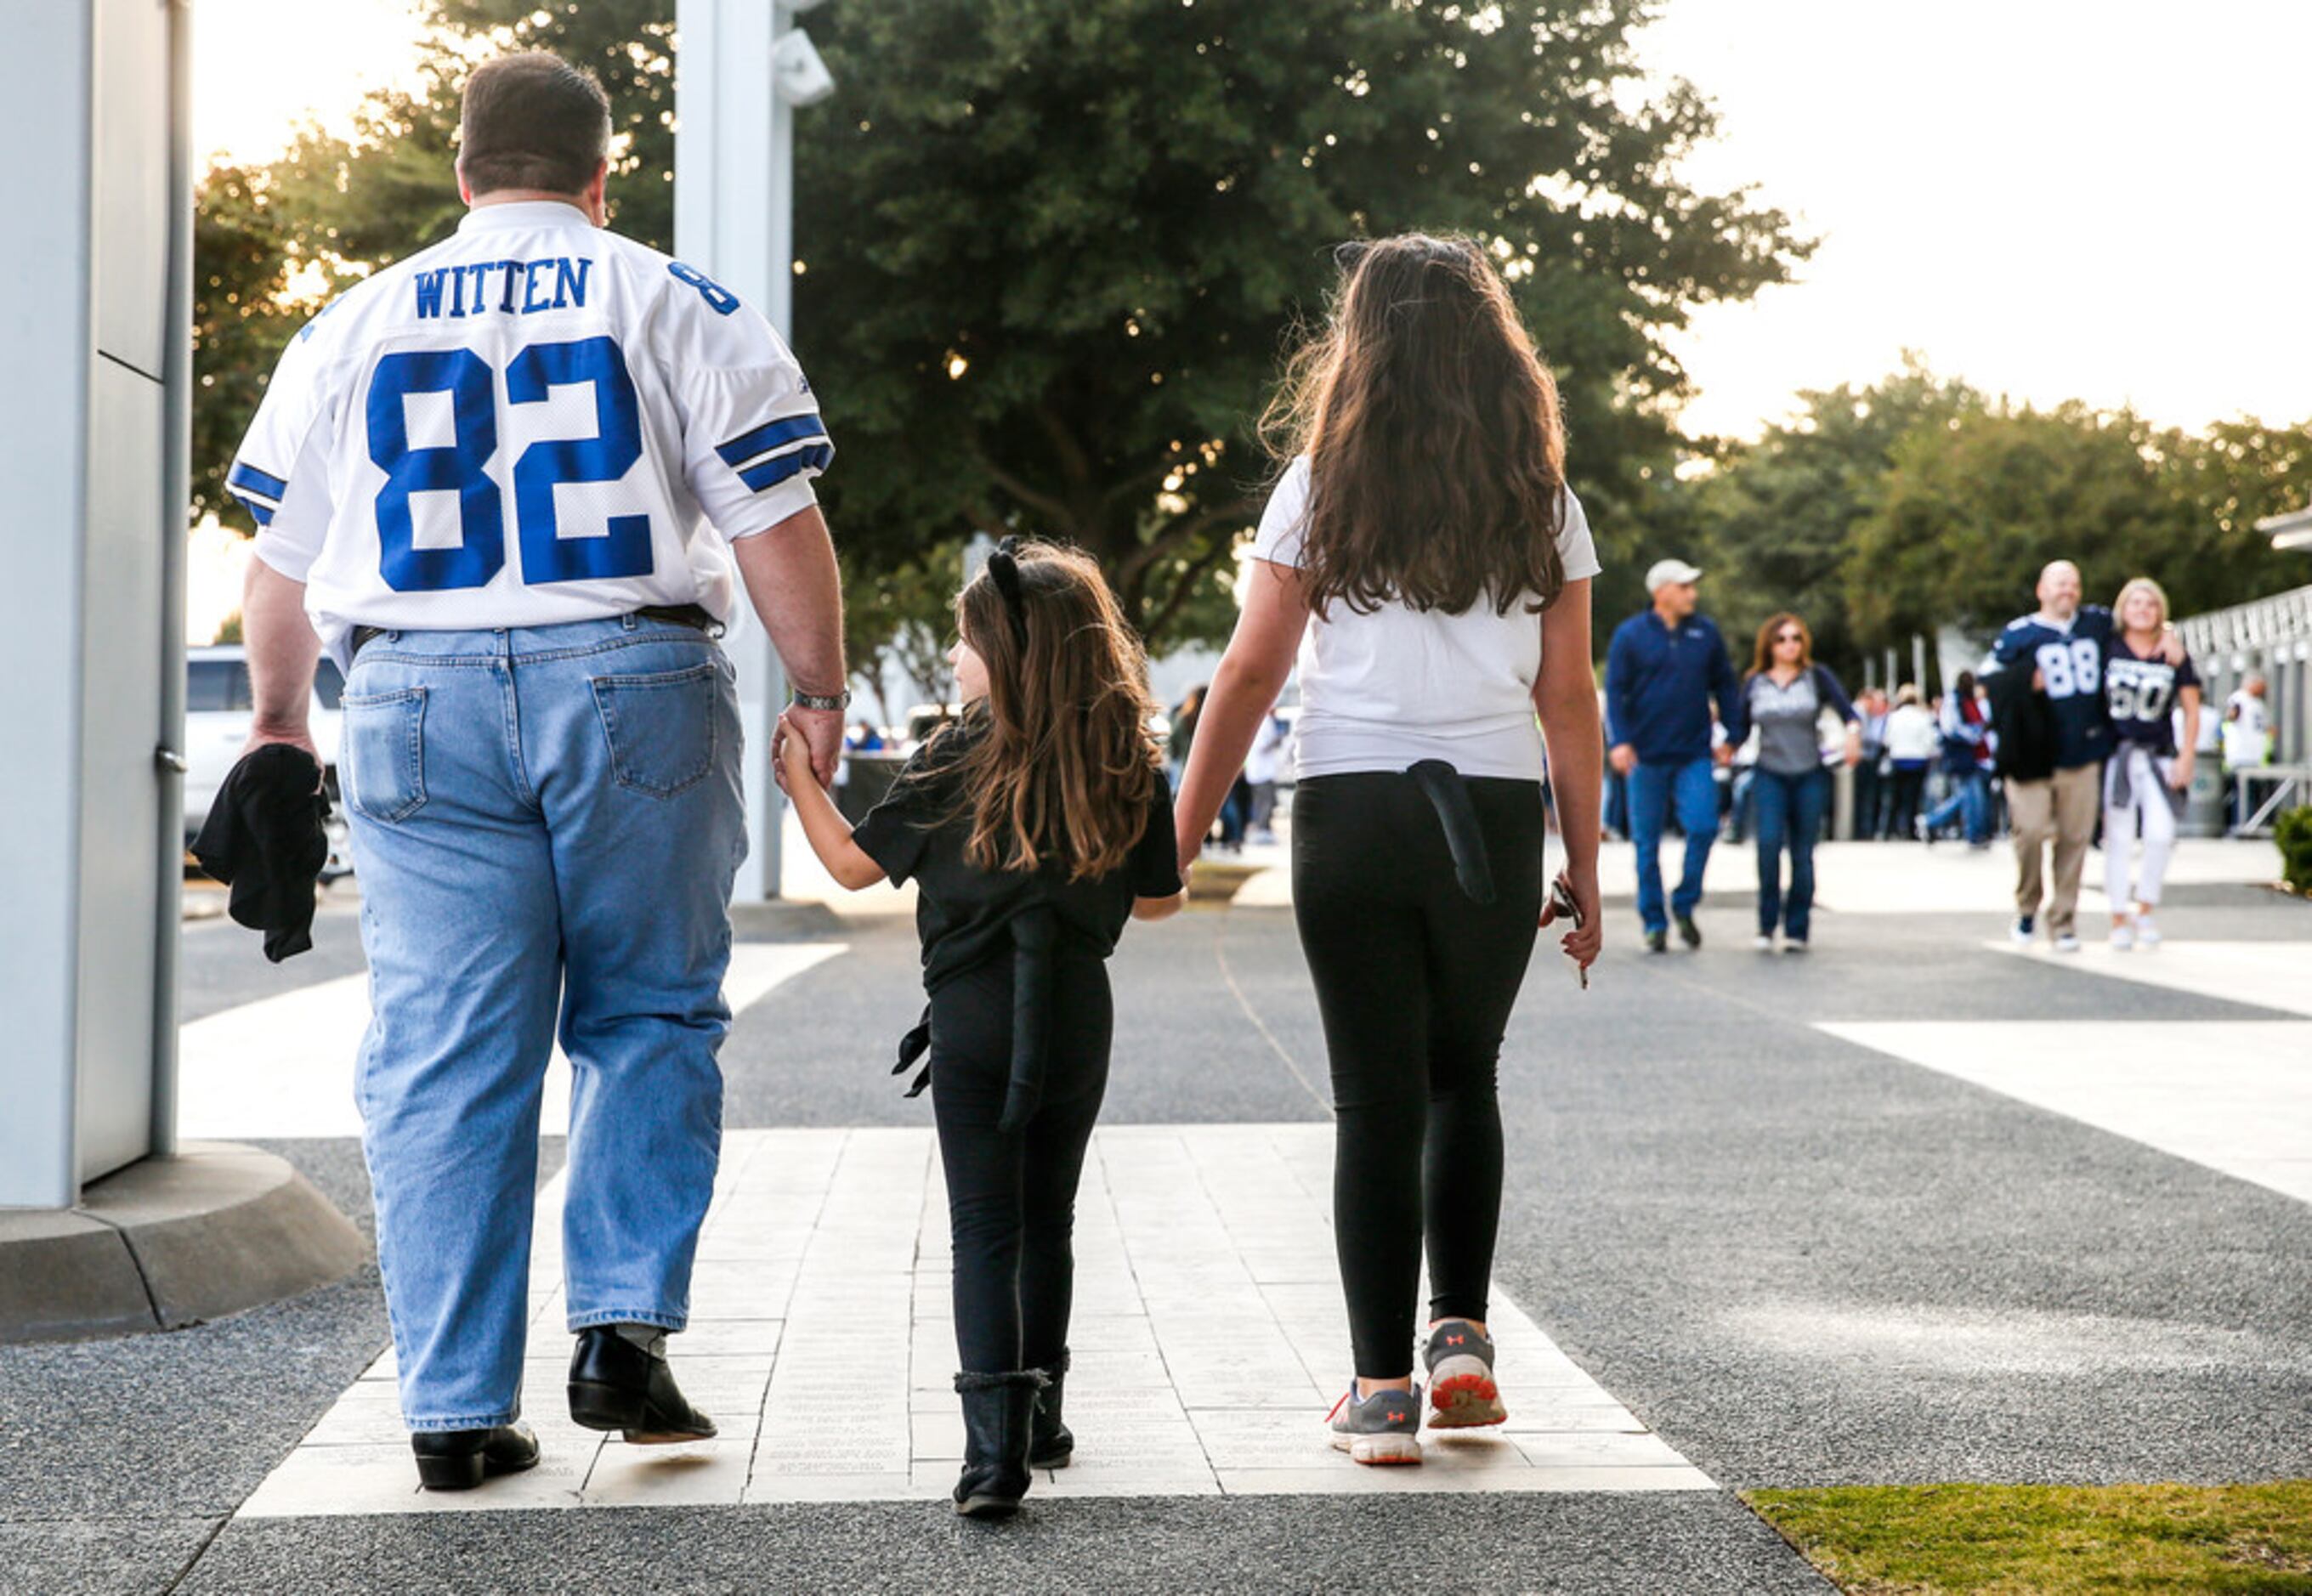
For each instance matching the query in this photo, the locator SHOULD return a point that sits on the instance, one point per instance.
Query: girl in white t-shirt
(1423, 556)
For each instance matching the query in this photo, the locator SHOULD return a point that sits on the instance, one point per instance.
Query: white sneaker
(2147, 934)
(2122, 937)
(2066, 942)
(2021, 930)
(1763, 942)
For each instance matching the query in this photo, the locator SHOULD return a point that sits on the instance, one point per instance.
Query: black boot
(460, 1459)
(998, 1413)
(616, 1385)
(1050, 1444)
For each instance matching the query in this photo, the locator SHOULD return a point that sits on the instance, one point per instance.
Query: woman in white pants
(2150, 768)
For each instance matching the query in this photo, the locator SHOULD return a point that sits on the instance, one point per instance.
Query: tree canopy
(1051, 250)
(1973, 505)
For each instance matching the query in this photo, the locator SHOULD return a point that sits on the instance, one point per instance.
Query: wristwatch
(820, 701)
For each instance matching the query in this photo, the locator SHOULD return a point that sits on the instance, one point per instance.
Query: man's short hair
(532, 121)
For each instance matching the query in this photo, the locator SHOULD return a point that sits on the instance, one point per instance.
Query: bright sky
(2051, 198)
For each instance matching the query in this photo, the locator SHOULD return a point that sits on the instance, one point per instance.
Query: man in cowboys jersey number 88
(514, 484)
(2063, 646)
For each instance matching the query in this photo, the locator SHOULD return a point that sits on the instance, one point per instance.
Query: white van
(218, 712)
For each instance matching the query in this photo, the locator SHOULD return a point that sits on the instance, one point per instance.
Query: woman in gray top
(1784, 696)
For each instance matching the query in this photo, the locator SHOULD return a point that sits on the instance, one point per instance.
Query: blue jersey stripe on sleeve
(249, 476)
(769, 435)
(770, 472)
(258, 508)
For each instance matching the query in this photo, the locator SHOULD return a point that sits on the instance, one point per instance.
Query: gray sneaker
(1384, 1428)
(1462, 1395)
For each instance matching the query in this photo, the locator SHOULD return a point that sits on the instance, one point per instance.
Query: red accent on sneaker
(1397, 1418)
(1454, 1340)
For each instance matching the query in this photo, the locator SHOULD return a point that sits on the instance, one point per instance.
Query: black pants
(1903, 808)
(1867, 786)
(1012, 1199)
(1415, 983)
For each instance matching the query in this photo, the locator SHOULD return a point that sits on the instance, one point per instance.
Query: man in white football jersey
(513, 483)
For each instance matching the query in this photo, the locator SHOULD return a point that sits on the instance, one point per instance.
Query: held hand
(2179, 776)
(821, 732)
(1853, 749)
(1584, 939)
(1625, 758)
(791, 758)
(1722, 754)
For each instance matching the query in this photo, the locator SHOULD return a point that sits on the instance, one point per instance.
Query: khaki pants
(2060, 810)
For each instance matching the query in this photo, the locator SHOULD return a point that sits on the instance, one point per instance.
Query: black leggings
(1011, 1198)
(1415, 983)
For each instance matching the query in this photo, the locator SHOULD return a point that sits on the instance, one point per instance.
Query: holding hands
(806, 746)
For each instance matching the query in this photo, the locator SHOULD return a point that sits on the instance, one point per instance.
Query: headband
(1003, 568)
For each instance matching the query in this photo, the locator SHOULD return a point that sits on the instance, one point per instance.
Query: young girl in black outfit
(1423, 554)
(1033, 828)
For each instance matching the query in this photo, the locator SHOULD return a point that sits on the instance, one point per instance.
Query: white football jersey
(533, 421)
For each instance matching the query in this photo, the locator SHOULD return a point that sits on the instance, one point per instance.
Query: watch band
(820, 701)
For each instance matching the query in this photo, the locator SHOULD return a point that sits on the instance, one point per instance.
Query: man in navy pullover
(1663, 669)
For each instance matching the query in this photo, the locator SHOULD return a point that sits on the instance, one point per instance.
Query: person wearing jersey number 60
(2048, 688)
(512, 483)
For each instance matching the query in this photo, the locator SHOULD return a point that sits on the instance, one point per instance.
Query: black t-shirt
(964, 913)
(2141, 691)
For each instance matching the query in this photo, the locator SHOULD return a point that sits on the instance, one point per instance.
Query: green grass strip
(2051, 1540)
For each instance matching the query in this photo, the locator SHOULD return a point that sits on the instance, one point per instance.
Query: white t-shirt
(1267, 753)
(1381, 691)
(1911, 733)
(533, 421)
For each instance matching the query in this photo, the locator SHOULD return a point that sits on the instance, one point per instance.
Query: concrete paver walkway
(1209, 1342)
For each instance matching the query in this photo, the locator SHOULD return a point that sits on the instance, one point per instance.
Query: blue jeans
(1789, 816)
(1970, 798)
(1690, 789)
(545, 822)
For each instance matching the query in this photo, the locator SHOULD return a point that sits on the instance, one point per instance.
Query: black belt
(692, 616)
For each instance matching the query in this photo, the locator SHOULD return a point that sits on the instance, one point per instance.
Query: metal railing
(2271, 638)
(2283, 618)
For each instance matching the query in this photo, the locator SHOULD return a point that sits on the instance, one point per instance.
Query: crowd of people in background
(1698, 752)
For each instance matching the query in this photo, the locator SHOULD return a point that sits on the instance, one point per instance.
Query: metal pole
(43, 479)
(732, 219)
(176, 496)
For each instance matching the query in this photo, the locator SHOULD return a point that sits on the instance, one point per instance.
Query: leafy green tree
(274, 242)
(1051, 249)
(2229, 478)
(903, 615)
(1054, 247)
(1972, 508)
(1777, 518)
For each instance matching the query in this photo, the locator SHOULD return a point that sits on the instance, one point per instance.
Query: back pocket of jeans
(660, 728)
(381, 760)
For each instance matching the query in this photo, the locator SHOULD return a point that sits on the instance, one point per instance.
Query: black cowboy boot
(617, 1385)
(460, 1459)
(1050, 1444)
(998, 1414)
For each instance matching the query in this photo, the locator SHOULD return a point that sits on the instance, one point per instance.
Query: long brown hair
(1436, 457)
(1065, 765)
(1764, 656)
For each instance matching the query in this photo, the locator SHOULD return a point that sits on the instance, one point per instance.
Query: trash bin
(866, 778)
(2204, 805)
